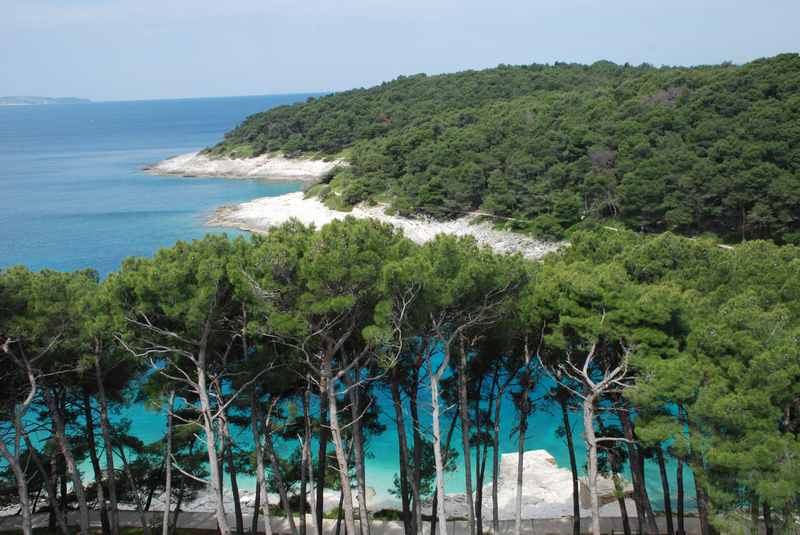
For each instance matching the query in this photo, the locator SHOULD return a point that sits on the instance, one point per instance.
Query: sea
(73, 195)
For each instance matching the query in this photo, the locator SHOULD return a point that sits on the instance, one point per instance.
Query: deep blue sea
(72, 195)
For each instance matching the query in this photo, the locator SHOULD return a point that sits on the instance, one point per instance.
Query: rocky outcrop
(273, 167)
(546, 490)
(261, 214)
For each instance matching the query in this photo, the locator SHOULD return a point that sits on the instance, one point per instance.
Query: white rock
(266, 166)
(546, 490)
(261, 214)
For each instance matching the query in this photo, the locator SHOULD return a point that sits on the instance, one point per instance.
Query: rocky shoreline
(268, 166)
(262, 214)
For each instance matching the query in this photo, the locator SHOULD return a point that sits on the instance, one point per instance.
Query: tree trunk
(644, 511)
(322, 460)
(69, 460)
(496, 461)
(416, 476)
(135, 486)
(228, 454)
(22, 487)
(408, 523)
(168, 466)
(338, 530)
(95, 460)
(702, 507)
(463, 409)
(153, 484)
(662, 467)
(573, 465)
(328, 387)
(310, 464)
(754, 518)
(105, 428)
(255, 419)
(304, 470)
(211, 444)
(679, 483)
(591, 460)
(768, 530)
(437, 445)
(358, 447)
(52, 498)
(623, 507)
(276, 475)
(447, 442)
(523, 429)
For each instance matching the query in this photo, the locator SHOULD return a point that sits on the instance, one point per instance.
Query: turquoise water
(74, 196)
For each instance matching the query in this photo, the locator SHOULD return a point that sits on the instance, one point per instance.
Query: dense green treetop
(693, 150)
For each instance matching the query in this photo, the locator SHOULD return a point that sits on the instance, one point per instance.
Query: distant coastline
(40, 101)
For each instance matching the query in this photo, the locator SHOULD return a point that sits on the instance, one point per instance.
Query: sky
(145, 49)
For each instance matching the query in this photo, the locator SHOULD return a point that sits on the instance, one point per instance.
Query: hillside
(693, 150)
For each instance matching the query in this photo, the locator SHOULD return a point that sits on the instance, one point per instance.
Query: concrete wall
(554, 526)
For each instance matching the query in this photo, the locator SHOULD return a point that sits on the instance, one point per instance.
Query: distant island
(40, 101)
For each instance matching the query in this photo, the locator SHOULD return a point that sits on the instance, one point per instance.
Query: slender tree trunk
(437, 444)
(211, 447)
(228, 455)
(573, 464)
(768, 530)
(322, 460)
(105, 428)
(339, 513)
(304, 473)
(255, 419)
(95, 460)
(69, 460)
(168, 465)
(328, 387)
(662, 467)
(276, 474)
(22, 487)
(623, 507)
(153, 484)
(181, 490)
(463, 409)
(137, 497)
(679, 483)
(446, 455)
(591, 451)
(416, 476)
(496, 461)
(358, 447)
(644, 511)
(408, 523)
(307, 454)
(523, 429)
(52, 498)
(256, 507)
(702, 507)
(754, 518)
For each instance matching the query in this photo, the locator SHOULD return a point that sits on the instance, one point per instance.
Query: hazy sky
(137, 49)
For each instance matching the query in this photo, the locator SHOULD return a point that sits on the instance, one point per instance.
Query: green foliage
(693, 150)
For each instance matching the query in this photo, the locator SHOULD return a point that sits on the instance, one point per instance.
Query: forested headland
(707, 149)
(665, 347)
